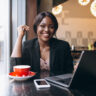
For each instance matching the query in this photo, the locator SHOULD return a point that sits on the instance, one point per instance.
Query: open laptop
(84, 75)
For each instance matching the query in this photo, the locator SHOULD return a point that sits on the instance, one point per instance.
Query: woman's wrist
(20, 37)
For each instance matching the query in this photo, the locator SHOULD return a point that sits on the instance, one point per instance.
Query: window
(7, 37)
(4, 36)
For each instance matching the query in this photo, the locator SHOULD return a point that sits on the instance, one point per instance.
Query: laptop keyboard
(65, 81)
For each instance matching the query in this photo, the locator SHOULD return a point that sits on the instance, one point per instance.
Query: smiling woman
(45, 54)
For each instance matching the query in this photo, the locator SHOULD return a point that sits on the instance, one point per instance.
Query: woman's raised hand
(17, 51)
(22, 29)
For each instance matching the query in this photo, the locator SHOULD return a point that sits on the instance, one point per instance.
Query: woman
(44, 53)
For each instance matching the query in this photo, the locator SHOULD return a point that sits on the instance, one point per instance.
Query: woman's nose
(46, 28)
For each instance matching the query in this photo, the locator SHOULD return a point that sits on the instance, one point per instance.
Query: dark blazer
(60, 56)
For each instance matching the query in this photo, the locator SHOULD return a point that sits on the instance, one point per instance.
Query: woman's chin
(45, 39)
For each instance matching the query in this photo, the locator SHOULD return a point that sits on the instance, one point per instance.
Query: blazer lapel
(52, 56)
(36, 56)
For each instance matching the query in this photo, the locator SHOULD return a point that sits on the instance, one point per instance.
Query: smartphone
(41, 83)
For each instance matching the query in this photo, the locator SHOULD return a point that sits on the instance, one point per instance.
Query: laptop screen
(85, 73)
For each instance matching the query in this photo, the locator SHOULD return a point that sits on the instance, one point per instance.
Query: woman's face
(45, 30)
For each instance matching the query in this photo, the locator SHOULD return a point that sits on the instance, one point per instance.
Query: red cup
(22, 70)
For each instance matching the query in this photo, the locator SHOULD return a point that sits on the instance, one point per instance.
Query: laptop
(84, 75)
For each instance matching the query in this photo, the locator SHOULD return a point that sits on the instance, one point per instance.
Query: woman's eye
(52, 27)
(42, 26)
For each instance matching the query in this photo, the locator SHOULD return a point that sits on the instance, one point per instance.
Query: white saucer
(23, 78)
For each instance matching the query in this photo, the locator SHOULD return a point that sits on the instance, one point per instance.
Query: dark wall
(31, 12)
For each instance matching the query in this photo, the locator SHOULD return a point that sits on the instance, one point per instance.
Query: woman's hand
(22, 29)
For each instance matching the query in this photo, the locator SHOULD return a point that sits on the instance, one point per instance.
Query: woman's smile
(46, 35)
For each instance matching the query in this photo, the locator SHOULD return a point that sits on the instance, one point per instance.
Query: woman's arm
(17, 51)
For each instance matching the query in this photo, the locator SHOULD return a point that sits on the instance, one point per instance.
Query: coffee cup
(22, 70)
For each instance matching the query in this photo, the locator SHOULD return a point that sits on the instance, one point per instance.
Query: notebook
(84, 75)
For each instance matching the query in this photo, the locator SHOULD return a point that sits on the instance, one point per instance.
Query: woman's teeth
(45, 34)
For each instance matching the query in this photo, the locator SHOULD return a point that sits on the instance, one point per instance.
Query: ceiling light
(83, 2)
(57, 10)
(93, 8)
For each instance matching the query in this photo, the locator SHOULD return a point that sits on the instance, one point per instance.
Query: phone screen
(41, 82)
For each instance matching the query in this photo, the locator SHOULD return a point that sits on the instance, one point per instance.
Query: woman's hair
(42, 15)
(94, 44)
